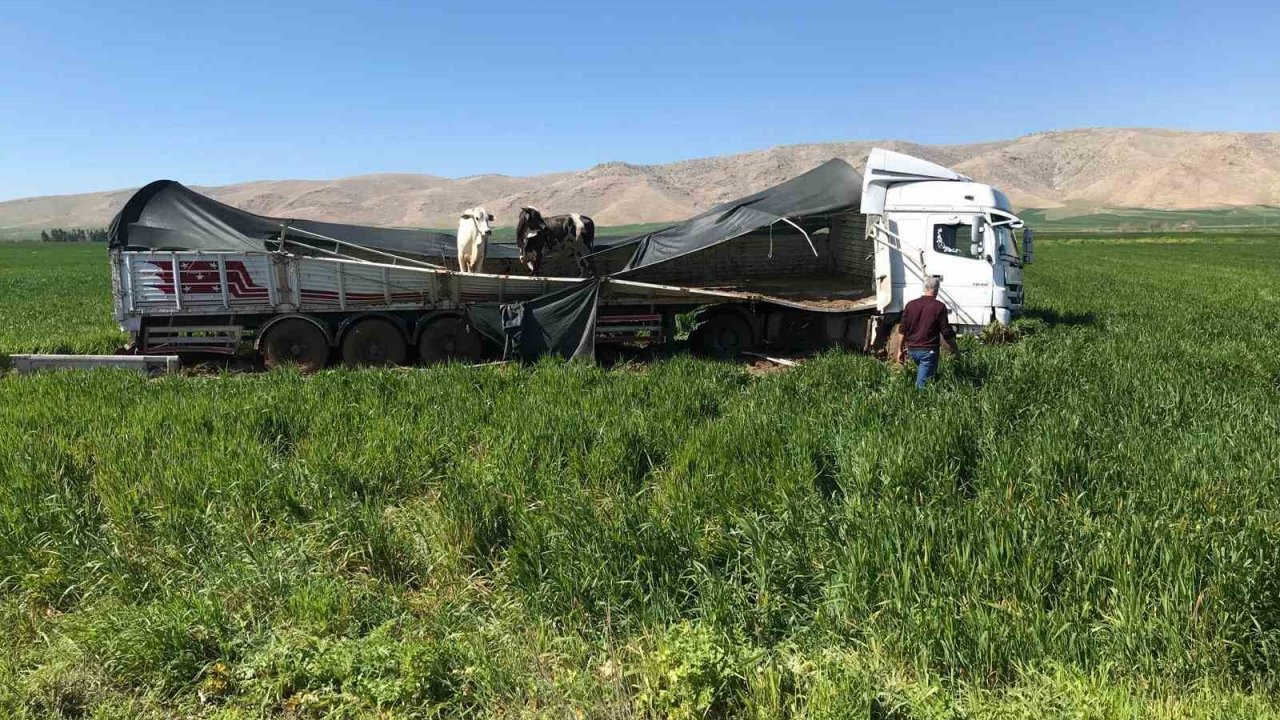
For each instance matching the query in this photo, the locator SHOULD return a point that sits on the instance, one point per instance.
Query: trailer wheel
(374, 342)
(722, 336)
(448, 339)
(297, 342)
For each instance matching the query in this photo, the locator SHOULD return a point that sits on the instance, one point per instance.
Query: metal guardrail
(146, 364)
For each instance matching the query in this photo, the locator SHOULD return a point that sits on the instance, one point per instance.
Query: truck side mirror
(1028, 251)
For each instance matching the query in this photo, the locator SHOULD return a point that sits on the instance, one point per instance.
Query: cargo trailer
(827, 258)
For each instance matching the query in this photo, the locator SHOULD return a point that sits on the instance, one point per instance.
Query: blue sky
(108, 95)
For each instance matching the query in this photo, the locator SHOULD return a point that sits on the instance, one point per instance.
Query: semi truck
(826, 258)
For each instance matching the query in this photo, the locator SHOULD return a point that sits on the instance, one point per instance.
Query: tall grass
(56, 298)
(1083, 523)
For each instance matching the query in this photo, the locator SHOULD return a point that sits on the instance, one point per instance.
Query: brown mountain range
(1086, 169)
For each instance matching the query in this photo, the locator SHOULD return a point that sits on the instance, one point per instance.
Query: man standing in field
(924, 324)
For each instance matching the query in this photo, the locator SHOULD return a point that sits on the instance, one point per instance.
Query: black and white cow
(538, 237)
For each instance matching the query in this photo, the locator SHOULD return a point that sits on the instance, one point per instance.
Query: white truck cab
(925, 219)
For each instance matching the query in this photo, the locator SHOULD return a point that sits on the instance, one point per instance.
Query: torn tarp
(561, 323)
(830, 187)
(167, 215)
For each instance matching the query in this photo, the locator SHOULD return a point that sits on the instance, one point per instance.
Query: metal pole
(222, 281)
(177, 279)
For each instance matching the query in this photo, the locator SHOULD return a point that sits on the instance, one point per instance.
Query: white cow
(473, 234)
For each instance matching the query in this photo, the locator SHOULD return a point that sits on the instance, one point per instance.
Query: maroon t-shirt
(924, 321)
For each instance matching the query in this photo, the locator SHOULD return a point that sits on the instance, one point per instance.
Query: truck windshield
(1007, 241)
(1002, 224)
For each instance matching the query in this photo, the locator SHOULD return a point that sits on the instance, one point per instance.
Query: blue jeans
(926, 365)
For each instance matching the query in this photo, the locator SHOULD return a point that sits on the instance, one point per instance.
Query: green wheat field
(1082, 523)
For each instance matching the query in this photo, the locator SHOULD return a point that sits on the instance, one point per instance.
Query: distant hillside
(1075, 171)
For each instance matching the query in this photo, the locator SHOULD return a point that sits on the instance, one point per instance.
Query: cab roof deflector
(886, 167)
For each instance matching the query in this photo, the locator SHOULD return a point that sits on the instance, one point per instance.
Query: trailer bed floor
(816, 292)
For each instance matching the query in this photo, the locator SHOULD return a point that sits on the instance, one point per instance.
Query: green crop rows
(56, 299)
(1082, 523)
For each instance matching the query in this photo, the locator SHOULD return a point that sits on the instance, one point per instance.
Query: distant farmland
(1081, 523)
(1258, 218)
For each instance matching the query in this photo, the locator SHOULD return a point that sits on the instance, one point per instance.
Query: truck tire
(374, 342)
(448, 339)
(722, 336)
(296, 342)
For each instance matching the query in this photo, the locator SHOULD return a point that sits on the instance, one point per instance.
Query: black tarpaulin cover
(563, 323)
(832, 186)
(560, 323)
(167, 215)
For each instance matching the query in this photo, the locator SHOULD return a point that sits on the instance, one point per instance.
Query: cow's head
(481, 219)
(531, 223)
(529, 228)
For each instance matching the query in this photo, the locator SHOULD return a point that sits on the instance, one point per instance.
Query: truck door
(959, 256)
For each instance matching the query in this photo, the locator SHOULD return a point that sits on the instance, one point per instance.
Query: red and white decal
(200, 277)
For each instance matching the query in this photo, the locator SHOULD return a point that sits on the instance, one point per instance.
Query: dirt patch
(764, 367)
